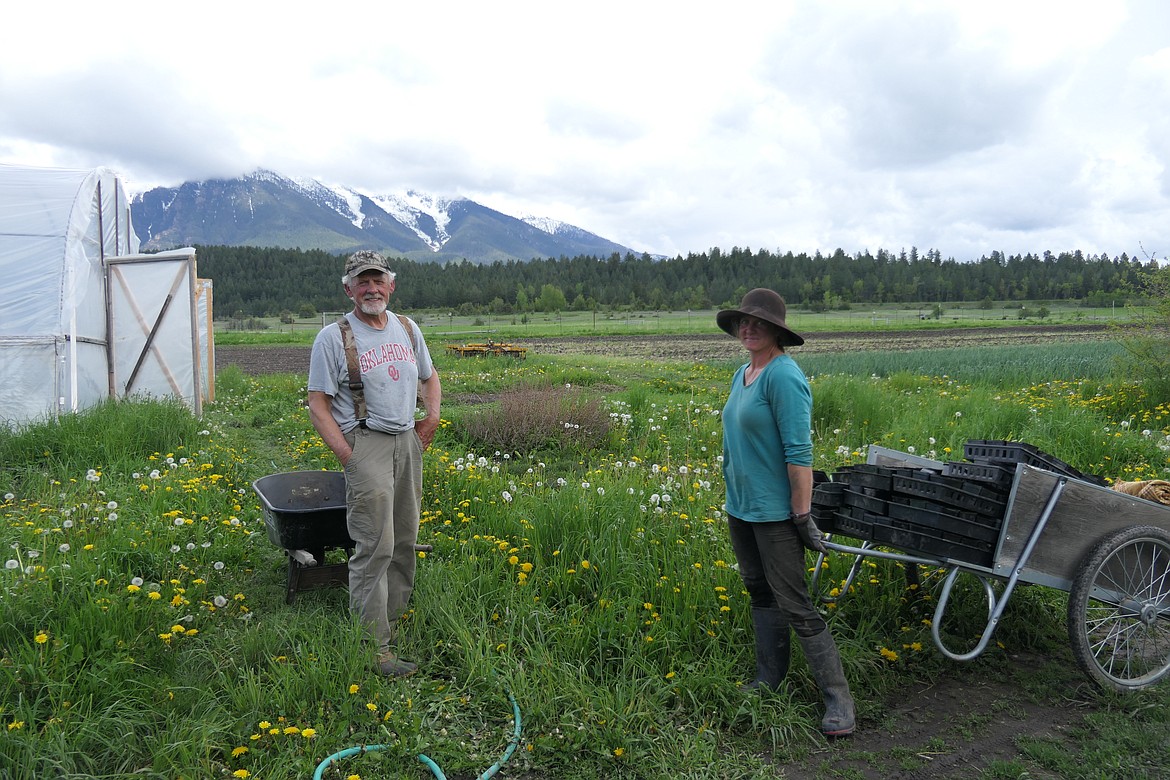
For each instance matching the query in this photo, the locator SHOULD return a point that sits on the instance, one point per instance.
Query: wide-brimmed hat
(768, 306)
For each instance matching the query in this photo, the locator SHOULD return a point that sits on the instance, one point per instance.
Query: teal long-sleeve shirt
(766, 426)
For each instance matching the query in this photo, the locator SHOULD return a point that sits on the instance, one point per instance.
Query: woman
(767, 466)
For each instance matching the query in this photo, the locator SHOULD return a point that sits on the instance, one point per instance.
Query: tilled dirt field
(295, 360)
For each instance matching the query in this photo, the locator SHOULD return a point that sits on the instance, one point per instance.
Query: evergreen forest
(260, 282)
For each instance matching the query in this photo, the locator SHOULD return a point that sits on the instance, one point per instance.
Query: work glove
(809, 533)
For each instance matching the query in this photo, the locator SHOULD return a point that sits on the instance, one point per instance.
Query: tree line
(259, 282)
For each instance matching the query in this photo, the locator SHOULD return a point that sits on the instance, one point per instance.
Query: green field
(579, 564)
(588, 323)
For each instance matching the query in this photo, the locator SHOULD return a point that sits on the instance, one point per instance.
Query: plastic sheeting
(60, 231)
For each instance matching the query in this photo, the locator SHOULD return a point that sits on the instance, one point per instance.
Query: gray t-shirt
(391, 363)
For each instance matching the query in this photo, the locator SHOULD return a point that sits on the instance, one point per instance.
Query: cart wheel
(1119, 610)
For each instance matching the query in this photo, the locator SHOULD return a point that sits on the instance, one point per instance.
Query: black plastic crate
(951, 492)
(855, 522)
(995, 451)
(943, 524)
(825, 518)
(874, 478)
(996, 475)
(873, 504)
(1001, 452)
(909, 538)
(828, 494)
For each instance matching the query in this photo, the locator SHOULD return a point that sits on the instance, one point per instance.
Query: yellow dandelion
(371, 706)
(41, 638)
(15, 725)
(354, 688)
(239, 751)
(670, 675)
(291, 730)
(619, 752)
(264, 724)
(889, 654)
(154, 595)
(308, 733)
(241, 773)
(585, 564)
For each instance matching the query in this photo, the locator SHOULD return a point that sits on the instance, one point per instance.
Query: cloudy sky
(669, 127)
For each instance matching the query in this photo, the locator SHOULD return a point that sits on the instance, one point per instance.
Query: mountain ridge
(268, 209)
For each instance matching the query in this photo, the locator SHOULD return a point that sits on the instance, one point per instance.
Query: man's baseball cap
(366, 260)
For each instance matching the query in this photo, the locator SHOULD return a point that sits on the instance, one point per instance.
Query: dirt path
(958, 726)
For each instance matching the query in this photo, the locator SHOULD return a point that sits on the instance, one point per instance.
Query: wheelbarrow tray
(304, 510)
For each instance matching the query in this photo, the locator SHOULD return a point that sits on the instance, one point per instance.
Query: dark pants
(772, 565)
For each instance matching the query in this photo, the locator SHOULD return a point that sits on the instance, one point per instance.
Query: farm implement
(489, 348)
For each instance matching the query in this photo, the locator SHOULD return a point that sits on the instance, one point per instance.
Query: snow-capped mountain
(267, 209)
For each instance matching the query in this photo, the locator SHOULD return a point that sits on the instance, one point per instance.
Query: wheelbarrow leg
(293, 576)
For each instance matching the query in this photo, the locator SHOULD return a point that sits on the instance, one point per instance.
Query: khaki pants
(383, 493)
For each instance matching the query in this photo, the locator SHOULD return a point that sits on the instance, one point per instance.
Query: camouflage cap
(365, 260)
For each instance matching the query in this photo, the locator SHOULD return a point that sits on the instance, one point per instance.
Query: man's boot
(772, 648)
(390, 665)
(825, 662)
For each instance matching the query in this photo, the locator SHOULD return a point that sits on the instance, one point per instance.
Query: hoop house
(83, 316)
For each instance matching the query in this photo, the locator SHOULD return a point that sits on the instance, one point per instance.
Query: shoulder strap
(409, 331)
(355, 375)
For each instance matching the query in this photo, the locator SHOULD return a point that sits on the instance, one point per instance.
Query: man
(369, 423)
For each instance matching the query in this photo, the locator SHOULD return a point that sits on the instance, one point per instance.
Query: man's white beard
(373, 308)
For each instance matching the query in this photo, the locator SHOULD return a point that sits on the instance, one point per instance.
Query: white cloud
(671, 127)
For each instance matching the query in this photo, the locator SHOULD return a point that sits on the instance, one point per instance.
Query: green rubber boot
(825, 662)
(772, 648)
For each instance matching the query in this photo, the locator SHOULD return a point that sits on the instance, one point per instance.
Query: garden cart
(1011, 514)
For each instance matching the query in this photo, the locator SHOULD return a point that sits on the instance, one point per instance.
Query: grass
(458, 328)
(144, 630)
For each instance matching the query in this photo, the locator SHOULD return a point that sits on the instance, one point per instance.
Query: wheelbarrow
(305, 511)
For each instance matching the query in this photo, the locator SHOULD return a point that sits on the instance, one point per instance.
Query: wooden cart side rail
(1085, 514)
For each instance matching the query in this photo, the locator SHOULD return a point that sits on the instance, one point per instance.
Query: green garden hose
(431, 765)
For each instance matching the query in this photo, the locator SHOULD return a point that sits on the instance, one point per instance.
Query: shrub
(530, 419)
